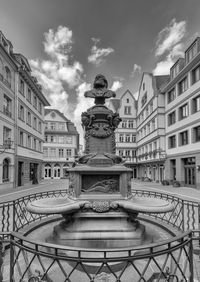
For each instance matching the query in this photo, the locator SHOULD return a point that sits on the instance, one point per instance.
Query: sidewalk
(183, 192)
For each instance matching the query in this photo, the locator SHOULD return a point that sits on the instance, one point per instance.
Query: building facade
(61, 145)
(182, 119)
(8, 70)
(125, 134)
(21, 119)
(151, 128)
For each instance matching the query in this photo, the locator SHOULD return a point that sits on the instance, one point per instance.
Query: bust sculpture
(100, 90)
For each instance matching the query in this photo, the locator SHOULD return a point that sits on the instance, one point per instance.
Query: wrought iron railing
(27, 260)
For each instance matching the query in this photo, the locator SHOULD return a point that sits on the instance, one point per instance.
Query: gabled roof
(71, 127)
(127, 91)
(161, 80)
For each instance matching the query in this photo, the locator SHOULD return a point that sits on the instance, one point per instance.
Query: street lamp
(6, 145)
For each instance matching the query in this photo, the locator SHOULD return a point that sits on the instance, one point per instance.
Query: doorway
(20, 173)
(56, 171)
(190, 172)
(47, 171)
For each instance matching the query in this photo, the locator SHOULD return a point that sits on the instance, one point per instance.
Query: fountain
(99, 211)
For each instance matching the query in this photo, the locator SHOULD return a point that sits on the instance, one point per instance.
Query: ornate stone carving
(104, 186)
(102, 277)
(100, 206)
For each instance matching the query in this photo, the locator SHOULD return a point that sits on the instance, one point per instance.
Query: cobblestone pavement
(45, 185)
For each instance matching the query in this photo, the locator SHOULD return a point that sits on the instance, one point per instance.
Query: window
(1, 70)
(46, 126)
(8, 76)
(196, 104)
(127, 138)
(35, 102)
(127, 101)
(52, 152)
(61, 139)
(35, 123)
(61, 126)
(130, 124)
(7, 106)
(51, 138)
(183, 85)
(127, 110)
(147, 112)
(6, 134)
(153, 124)
(28, 118)
(40, 107)
(34, 144)
(143, 86)
(127, 153)
(29, 141)
(196, 134)
(45, 138)
(5, 174)
(40, 126)
(174, 71)
(196, 74)
(183, 111)
(21, 112)
(40, 146)
(144, 99)
(191, 53)
(171, 95)
(68, 152)
(124, 124)
(172, 141)
(21, 138)
(121, 138)
(21, 86)
(45, 151)
(183, 140)
(171, 118)
(61, 153)
(133, 138)
(69, 140)
(52, 126)
(151, 107)
(29, 95)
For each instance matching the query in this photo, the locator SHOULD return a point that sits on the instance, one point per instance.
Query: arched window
(8, 76)
(6, 163)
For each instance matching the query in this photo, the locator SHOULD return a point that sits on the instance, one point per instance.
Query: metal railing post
(191, 256)
(11, 258)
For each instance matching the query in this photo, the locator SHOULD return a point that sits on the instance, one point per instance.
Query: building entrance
(190, 172)
(47, 171)
(56, 172)
(20, 173)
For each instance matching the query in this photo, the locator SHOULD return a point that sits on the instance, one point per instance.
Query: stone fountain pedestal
(99, 211)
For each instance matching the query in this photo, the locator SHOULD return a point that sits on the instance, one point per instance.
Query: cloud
(98, 55)
(59, 72)
(136, 68)
(135, 95)
(82, 105)
(170, 36)
(169, 46)
(116, 85)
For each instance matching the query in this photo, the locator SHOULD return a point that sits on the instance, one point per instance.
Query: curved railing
(170, 260)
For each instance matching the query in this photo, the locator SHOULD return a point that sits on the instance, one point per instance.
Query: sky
(69, 42)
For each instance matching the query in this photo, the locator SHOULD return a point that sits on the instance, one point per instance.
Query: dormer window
(191, 52)
(174, 71)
